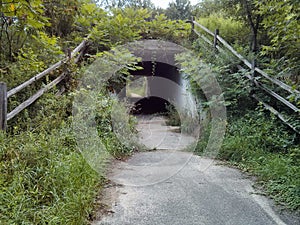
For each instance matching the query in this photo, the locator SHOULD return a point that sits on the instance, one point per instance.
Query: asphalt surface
(173, 187)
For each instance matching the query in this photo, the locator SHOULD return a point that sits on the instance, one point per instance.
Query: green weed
(258, 144)
(45, 180)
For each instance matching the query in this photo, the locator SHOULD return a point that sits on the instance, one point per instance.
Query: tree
(243, 10)
(146, 4)
(61, 15)
(179, 10)
(18, 20)
(126, 3)
(208, 7)
(281, 20)
(247, 11)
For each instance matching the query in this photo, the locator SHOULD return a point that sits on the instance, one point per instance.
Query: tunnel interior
(154, 88)
(150, 105)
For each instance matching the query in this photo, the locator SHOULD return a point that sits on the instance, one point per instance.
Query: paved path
(155, 134)
(172, 187)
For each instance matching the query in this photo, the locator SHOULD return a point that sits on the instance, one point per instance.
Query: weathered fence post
(193, 25)
(253, 74)
(3, 106)
(192, 35)
(216, 38)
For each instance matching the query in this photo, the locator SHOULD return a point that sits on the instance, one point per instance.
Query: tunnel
(156, 87)
(159, 85)
(150, 105)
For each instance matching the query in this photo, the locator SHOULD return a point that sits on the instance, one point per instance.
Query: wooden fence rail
(34, 97)
(251, 65)
(4, 95)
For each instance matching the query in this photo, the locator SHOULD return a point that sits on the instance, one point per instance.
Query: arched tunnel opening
(150, 105)
(160, 87)
(154, 89)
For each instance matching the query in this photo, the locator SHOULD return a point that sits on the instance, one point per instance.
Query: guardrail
(254, 75)
(5, 95)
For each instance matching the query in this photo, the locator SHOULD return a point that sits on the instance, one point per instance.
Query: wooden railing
(5, 95)
(255, 74)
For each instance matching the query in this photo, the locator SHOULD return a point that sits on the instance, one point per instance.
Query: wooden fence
(255, 74)
(4, 94)
(5, 116)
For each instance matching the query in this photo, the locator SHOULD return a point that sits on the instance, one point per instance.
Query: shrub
(230, 29)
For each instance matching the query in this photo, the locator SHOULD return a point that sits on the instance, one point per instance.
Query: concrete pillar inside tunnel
(165, 82)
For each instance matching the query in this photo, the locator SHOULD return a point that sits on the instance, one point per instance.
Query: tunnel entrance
(151, 105)
(154, 88)
(160, 83)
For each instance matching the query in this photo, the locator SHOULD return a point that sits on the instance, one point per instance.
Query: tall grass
(44, 177)
(257, 143)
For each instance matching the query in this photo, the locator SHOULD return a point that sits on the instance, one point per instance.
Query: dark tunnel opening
(158, 69)
(150, 105)
(150, 100)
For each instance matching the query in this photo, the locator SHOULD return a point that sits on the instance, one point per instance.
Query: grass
(44, 177)
(256, 143)
(45, 180)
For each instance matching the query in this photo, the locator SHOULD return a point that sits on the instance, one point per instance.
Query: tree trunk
(254, 46)
(254, 24)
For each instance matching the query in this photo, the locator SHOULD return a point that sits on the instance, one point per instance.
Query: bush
(110, 118)
(253, 131)
(230, 29)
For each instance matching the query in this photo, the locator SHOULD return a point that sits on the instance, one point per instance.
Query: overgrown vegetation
(255, 140)
(272, 156)
(44, 177)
